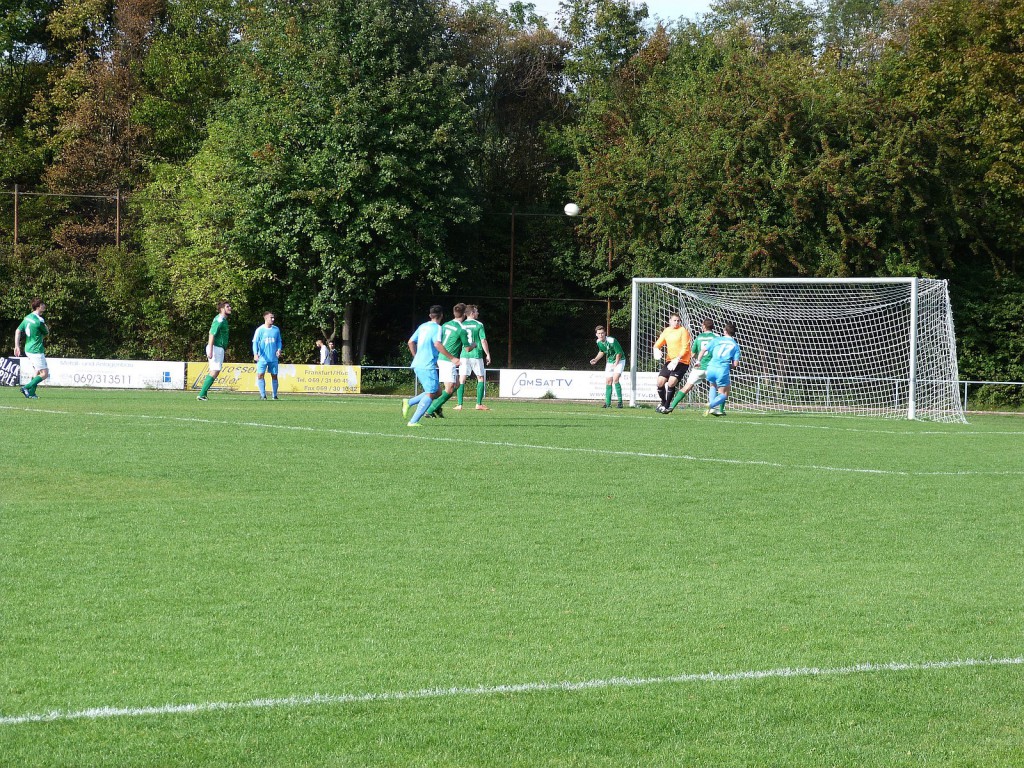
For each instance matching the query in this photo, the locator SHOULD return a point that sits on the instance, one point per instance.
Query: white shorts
(611, 369)
(696, 374)
(445, 370)
(217, 361)
(37, 361)
(474, 365)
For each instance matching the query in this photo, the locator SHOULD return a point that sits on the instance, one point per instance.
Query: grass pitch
(541, 584)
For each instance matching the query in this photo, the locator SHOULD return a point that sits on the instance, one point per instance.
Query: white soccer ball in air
(571, 209)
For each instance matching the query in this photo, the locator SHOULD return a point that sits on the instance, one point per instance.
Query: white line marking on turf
(742, 419)
(536, 447)
(485, 690)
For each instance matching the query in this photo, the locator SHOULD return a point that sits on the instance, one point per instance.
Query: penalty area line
(99, 713)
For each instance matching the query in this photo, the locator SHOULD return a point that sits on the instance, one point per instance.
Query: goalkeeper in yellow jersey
(676, 341)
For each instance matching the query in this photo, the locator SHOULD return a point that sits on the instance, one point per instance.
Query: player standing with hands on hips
(215, 346)
(676, 341)
(611, 350)
(266, 352)
(35, 330)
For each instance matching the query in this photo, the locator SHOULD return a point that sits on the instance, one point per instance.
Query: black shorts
(679, 373)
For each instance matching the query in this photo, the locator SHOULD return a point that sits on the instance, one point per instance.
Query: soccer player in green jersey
(215, 346)
(35, 330)
(477, 352)
(699, 371)
(611, 351)
(455, 339)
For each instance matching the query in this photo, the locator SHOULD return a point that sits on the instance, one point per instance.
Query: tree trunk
(364, 327)
(346, 334)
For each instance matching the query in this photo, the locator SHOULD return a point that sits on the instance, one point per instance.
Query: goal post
(857, 346)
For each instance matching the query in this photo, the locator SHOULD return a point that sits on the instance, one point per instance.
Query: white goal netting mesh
(840, 347)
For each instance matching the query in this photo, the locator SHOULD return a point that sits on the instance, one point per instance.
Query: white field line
(484, 690)
(748, 420)
(535, 447)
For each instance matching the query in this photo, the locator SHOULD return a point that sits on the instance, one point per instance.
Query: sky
(667, 10)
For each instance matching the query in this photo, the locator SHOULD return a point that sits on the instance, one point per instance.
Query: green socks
(618, 392)
(31, 386)
(481, 388)
(677, 399)
(206, 386)
(444, 398)
(607, 395)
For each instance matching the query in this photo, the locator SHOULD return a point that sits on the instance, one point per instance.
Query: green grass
(159, 551)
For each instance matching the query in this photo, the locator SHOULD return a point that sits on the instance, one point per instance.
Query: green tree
(338, 165)
(954, 75)
(184, 75)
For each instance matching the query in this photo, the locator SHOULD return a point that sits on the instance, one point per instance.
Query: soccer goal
(858, 346)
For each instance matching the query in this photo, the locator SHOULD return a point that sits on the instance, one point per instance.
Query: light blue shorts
(428, 378)
(718, 376)
(266, 365)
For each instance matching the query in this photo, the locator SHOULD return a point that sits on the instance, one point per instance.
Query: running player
(215, 346)
(699, 362)
(425, 345)
(725, 355)
(454, 338)
(35, 330)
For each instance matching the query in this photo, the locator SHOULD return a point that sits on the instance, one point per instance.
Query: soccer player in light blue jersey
(266, 351)
(725, 355)
(425, 345)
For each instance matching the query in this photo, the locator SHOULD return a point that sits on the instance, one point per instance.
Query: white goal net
(864, 346)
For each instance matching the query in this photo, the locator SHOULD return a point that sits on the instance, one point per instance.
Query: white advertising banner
(570, 385)
(110, 374)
